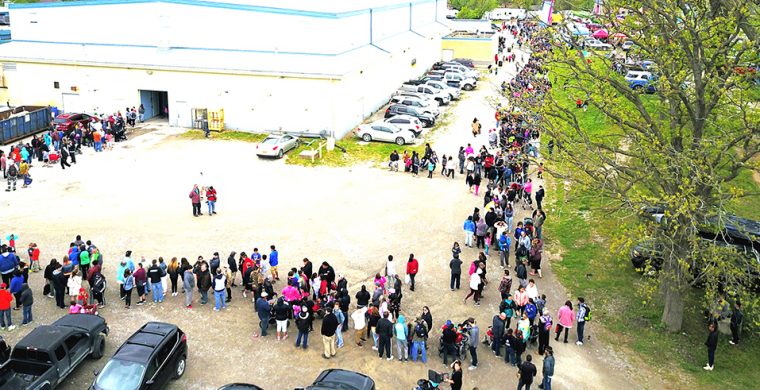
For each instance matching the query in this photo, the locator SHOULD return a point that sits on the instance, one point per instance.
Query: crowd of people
(58, 146)
(506, 166)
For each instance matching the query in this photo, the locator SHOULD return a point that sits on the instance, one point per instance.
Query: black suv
(426, 118)
(147, 360)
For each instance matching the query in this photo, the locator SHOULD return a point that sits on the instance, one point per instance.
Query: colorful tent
(600, 34)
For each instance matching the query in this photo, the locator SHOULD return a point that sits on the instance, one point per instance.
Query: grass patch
(608, 281)
(227, 135)
(358, 152)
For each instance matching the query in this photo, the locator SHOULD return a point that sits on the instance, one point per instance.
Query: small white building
(506, 14)
(270, 64)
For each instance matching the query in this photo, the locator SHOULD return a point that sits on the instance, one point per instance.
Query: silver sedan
(276, 145)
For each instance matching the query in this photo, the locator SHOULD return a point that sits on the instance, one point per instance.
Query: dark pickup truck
(49, 353)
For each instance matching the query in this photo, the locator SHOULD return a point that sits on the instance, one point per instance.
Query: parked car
(443, 98)
(416, 102)
(335, 378)
(68, 122)
(466, 83)
(642, 81)
(383, 131)
(427, 119)
(240, 386)
(49, 353)
(276, 145)
(465, 61)
(454, 93)
(457, 67)
(406, 122)
(627, 45)
(149, 358)
(417, 95)
(649, 256)
(596, 44)
(5, 351)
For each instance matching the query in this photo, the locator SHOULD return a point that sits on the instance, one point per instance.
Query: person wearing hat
(544, 331)
(263, 309)
(5, 307)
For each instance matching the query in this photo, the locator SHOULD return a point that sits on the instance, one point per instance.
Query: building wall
(251, 103)
(478, 49)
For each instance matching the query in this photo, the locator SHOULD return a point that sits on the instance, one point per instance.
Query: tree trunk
(672, 314)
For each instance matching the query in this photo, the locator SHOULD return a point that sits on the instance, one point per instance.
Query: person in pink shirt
(565, 320)
(521, 299)
(380, 281)
(291, 293)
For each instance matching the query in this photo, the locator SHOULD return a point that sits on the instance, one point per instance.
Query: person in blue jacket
(15, 287)
(74, 254)
(273, 262)
(8, 263)
(263, 309)
(469, 231)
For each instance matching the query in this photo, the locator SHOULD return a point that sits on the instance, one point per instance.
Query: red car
(68, 122)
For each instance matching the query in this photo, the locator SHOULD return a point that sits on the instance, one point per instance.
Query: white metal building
(270, 64)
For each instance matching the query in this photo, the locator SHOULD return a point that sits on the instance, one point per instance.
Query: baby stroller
(533, 339)
(432, 382)
(463, 340)
(528, 226)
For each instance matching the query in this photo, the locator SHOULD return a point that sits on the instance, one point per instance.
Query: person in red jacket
(5, 307)
(211, 198)
(412, 267)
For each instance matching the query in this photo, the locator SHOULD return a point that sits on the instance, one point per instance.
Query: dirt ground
(135, 197)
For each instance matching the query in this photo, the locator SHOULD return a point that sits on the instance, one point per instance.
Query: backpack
(587, 316)
(420, 331)
(12, 170)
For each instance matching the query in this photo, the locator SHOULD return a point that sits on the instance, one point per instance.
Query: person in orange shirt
(5, 307)
(97, 138)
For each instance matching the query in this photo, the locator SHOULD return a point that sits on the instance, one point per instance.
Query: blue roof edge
(214, 4)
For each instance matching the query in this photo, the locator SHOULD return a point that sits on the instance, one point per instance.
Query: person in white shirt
(532, 290)
(360, 324)
(390, 267)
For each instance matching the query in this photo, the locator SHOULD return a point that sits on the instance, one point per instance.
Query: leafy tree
(473, 9)
(680, 148)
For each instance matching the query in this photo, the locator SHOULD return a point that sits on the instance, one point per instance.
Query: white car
(381, 131)
(597, 45)
(454, 93)
(424, 105)
(627, 45)
(276, 145)
(407, 122)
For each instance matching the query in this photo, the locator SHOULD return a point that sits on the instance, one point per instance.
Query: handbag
(407, 279)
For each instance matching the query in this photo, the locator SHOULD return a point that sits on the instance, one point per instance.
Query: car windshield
(61, 120)
(120, 374)
(270, 141)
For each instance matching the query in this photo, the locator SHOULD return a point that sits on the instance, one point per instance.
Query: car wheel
(426, 123)
(179, 370)
(637, 88)
(367, 138)
(98, 348)
(467, 87)
(400, 141)
(280, 154)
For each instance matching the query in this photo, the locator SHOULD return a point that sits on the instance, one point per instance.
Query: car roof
(342, 379)
(45, 337)
(240, 386)
(142, 344)
(404, 117)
